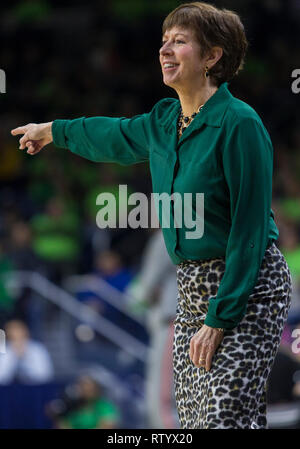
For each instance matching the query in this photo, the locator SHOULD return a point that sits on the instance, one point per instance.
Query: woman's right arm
(99, 139)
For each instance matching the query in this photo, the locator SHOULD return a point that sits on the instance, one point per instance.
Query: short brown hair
(213, 27)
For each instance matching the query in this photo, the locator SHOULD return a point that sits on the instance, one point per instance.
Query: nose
(165, 49)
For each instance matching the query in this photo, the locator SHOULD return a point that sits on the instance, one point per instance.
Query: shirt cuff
(58, 133)
(214, 322)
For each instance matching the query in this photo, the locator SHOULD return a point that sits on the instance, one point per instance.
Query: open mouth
(169, 67)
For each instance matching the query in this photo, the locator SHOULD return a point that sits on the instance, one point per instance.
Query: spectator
(20, 251)
(55, 238)
(29, 307)
(25, 361)
(108, 266)
(85, 408)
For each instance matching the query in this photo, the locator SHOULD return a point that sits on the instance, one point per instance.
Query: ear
(214, 55)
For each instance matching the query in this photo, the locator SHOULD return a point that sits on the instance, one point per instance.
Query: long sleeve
(104, 139)
(248, 166)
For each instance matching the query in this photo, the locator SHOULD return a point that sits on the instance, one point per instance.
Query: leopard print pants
(232, 394)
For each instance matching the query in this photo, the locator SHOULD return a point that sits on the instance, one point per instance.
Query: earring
(206, 72)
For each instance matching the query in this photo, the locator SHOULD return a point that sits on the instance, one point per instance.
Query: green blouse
(225, 154)
(92, 416)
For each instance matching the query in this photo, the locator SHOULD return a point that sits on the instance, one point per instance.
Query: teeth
(169, 65)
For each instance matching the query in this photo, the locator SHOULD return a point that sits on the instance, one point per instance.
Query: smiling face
(180, 59)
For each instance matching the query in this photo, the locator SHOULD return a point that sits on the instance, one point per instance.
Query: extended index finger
(19, 130)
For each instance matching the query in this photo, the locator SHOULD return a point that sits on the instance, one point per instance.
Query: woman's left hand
(203, 346)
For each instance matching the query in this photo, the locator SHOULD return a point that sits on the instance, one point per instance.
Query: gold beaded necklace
(185, 121)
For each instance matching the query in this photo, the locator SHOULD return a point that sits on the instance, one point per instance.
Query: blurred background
(88, 312)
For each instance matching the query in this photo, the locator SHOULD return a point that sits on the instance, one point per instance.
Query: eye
(177, 41)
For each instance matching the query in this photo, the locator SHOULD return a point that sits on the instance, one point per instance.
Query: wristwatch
(220, 329)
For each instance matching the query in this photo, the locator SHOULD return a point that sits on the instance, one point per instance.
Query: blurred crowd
(67, 60)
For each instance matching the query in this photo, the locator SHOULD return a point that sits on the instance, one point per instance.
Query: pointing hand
(35, 137)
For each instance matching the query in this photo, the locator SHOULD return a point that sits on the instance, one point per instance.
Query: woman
(85, 407)
(234, 284)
